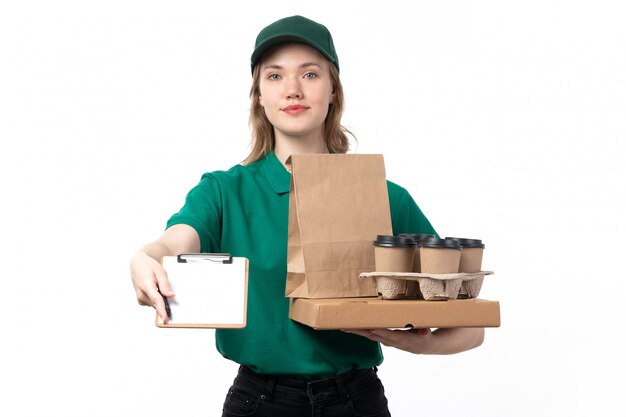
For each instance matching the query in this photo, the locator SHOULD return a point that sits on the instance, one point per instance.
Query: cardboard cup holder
(430, 287)
(390, 287)
(470, 288)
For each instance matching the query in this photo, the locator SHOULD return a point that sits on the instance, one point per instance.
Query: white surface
(208, 292)
(505, 121)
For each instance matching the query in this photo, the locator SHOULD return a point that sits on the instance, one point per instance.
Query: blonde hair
(263, 141)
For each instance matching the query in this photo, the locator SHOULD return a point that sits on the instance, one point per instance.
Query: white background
(505, 121)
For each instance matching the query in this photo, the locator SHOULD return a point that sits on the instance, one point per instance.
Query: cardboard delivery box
(372, 313)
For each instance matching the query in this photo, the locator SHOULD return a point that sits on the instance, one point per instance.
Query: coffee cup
(471, 262)
(393, 254)
(418, 238)
(472, 254)
(440, 256)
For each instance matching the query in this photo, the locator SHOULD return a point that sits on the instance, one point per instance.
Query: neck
(286, 146)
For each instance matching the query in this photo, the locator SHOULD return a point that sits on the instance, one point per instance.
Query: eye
(273, 77)
(310, 75)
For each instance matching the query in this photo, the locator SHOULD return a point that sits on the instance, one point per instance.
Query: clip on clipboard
(211, 291)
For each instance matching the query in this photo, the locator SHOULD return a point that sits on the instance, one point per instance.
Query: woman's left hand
(425, 341)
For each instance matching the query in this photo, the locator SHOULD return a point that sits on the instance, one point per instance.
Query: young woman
(287, 369)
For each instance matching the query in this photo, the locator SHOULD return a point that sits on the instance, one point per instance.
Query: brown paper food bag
(338, 204)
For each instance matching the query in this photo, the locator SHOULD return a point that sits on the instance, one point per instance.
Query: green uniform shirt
(244, 211)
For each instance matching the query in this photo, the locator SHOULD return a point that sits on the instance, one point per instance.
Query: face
(296, 90)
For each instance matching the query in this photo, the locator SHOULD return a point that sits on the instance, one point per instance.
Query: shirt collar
(275, 172)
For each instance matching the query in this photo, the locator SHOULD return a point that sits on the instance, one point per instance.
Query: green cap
(295, 29)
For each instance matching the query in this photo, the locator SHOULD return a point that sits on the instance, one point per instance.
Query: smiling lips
(294, 109)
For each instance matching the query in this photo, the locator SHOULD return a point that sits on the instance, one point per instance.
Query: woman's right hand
(150, 282)
(149, 276)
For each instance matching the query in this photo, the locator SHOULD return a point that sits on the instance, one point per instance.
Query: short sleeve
(406, 216)
(203, 211)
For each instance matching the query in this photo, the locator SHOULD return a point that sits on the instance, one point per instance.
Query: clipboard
(211, 291)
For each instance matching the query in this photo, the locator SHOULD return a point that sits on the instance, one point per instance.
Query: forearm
(148, 276)
(449, 341)
(423, 341)
(177, 239)
(157, 250)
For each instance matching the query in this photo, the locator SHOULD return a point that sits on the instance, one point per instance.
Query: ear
(261, 101)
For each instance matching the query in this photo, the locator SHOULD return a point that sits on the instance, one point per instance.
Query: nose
(294, 89)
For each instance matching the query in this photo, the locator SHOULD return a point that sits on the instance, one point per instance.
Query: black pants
(355, 393)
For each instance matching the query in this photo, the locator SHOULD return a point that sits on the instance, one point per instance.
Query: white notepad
(211, 291)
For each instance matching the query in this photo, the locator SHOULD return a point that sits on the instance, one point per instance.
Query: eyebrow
(304, 65)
